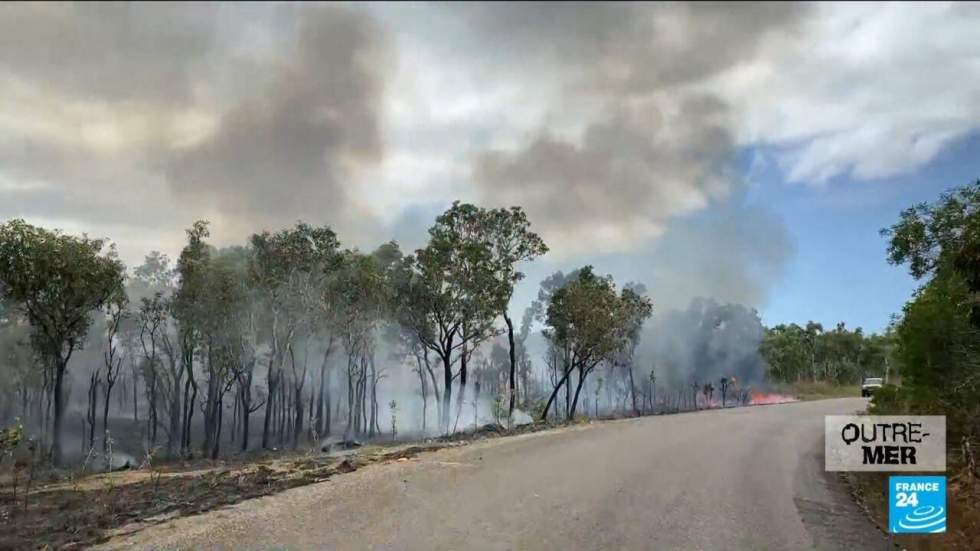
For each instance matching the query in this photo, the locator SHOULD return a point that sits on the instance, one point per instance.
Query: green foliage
(585, 316)
(59, 280)
(589, 320)
(10, 438)
(938, 336)
(889, 400)
(942, 236)
(839, 356)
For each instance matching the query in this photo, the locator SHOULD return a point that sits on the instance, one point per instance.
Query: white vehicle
(870, 385)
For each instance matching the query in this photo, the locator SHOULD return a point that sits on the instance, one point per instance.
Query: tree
(448, 293)
(282, 267)
(511, 241)
(636, 309)
(932, 238)
(116, 313)
(709, 391)
(59, 280)
(152, 288)
(937, 340)
(359, 294)
(189, 309)
(589, 320)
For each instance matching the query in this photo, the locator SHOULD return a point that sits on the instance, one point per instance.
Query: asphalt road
(747, 478)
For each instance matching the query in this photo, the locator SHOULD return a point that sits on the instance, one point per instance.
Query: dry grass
(820, 390)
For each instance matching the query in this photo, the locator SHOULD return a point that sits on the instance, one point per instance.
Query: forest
(291, 340)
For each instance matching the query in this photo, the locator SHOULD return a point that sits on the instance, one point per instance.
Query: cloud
(865, 90)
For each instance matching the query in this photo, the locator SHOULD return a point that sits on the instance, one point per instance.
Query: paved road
(747, 478)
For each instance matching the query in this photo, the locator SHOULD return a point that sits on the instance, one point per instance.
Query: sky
(746, 152)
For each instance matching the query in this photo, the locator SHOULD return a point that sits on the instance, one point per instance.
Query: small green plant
(10, 438)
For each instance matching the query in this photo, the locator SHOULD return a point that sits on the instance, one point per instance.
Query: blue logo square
(916, 504)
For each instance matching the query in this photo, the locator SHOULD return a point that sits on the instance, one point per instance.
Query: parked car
(870, 385)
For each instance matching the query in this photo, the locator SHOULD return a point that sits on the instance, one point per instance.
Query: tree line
(286, 330)
(839, 356)
(291, 338)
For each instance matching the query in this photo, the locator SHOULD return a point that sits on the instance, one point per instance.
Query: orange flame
(759, 398)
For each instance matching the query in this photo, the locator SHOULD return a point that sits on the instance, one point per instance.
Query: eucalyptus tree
(116, 312)
(59, 280)
(226, 303)
(558, 352)
(508, 234)
(281, 267)
(448, 294)
(590, 321)
(635, 310)
(190, 311)
(360, 295)
(152, 287)
(153, 315)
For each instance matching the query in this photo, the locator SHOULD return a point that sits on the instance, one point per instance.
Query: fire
(759, 398)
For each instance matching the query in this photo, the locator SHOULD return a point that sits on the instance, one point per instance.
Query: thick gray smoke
(632, 143)
(704, 342)
(288, 150)
(123, 116)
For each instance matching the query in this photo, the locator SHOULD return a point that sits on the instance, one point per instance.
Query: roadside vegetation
(937, 353)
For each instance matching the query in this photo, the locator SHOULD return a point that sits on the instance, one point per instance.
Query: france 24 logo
(917, 504)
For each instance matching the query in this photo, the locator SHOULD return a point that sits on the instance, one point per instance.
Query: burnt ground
(68, 510)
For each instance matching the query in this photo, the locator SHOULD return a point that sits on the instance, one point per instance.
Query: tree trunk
(425, 397)
(373, 422)
(513, 368)
(462, 383)
(298, 424)
(270, 382)
(447, 392)
(217, 429)
(636, 410)
(318, 423)
(105, 420)
(582, 374)
(435, 384)
(246, 410)
(554, 393)
(57, 455)
(93, 401)
(136, 403)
